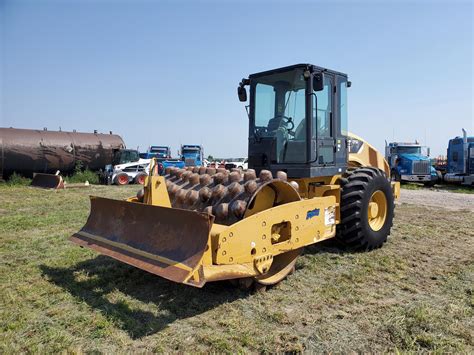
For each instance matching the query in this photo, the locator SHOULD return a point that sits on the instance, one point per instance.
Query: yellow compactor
(308, 180)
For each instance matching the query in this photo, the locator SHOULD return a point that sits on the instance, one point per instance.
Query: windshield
(191, 151)
(125, 156)
(409, 150)
(158, 150)
(280, 113)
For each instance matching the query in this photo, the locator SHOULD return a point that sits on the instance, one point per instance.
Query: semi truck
(157, 151)
(163, 156)
(408, 163)
(192, 155)
(460, 160)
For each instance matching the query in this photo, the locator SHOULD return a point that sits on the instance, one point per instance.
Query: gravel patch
(438, 199)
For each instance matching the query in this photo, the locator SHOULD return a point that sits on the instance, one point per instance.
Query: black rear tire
(355, 231)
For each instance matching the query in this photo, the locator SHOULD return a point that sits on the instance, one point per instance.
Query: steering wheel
(278, 122)
(289, 121)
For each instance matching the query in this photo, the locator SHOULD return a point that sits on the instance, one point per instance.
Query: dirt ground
(438, 199)
(415, 294)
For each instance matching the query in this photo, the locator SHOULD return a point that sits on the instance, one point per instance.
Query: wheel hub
(373, 209)
(377, 210)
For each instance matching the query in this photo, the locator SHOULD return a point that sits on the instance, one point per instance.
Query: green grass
(17, 180)
(456, 189)
(441, 187)
(412, 186)
(414, 294)
(83, 176)
(79, 176)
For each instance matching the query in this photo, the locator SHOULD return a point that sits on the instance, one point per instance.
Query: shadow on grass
(92, 281)
(329, 246)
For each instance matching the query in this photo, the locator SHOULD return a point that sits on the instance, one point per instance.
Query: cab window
(322, 108)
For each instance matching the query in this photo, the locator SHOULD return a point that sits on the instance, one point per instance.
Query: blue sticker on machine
(312, 213)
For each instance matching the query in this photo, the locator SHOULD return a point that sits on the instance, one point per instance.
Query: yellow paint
(156, 193)
(367, 156)
(396, 189)
(377, 210)
(264, 200)
(226, 272)
(251, 238)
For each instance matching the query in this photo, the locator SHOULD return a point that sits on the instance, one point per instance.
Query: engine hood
(413, 157)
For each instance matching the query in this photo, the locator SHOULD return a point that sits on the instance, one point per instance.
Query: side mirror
(318, 82)
(428, 151)
(242, 92)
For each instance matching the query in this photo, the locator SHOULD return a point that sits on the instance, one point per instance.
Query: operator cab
(124, 156)
(298, 120)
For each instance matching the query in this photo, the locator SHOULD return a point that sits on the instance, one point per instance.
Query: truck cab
(460, 156)
(157, 151)
(123, 156)
(192, 155)
(163, 156)
(408, 162)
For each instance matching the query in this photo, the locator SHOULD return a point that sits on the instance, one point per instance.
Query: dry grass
(415, 294)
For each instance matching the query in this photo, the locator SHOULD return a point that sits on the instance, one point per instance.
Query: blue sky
(163, 72)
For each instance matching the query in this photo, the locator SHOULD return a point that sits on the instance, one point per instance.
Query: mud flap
(47, 181)
(168, 242)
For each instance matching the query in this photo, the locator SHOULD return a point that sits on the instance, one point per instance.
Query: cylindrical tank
(28, 151)
(452, 177)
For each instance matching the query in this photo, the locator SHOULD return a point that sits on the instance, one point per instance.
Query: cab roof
(405, 144)
(312, 67)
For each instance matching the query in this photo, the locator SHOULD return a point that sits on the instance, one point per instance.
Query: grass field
(414, 294)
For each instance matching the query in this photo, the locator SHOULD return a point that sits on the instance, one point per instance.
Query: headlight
(355, 145)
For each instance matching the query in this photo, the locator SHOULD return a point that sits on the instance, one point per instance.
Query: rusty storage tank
(28, 151)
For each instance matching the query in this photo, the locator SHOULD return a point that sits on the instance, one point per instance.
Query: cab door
(323, 125)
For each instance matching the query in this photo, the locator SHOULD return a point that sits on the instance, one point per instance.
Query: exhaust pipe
(465, 151)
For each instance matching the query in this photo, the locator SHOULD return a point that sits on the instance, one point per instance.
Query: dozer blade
(47, 181)
(164, 241)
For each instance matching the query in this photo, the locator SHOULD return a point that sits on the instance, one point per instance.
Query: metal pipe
(465, 151)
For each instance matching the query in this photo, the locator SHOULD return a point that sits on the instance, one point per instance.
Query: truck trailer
(460, 156)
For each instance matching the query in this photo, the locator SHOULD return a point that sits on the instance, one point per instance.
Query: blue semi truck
(157, 151)
(409, 164)
(192, 154)
(460, 160)
(163, 155)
